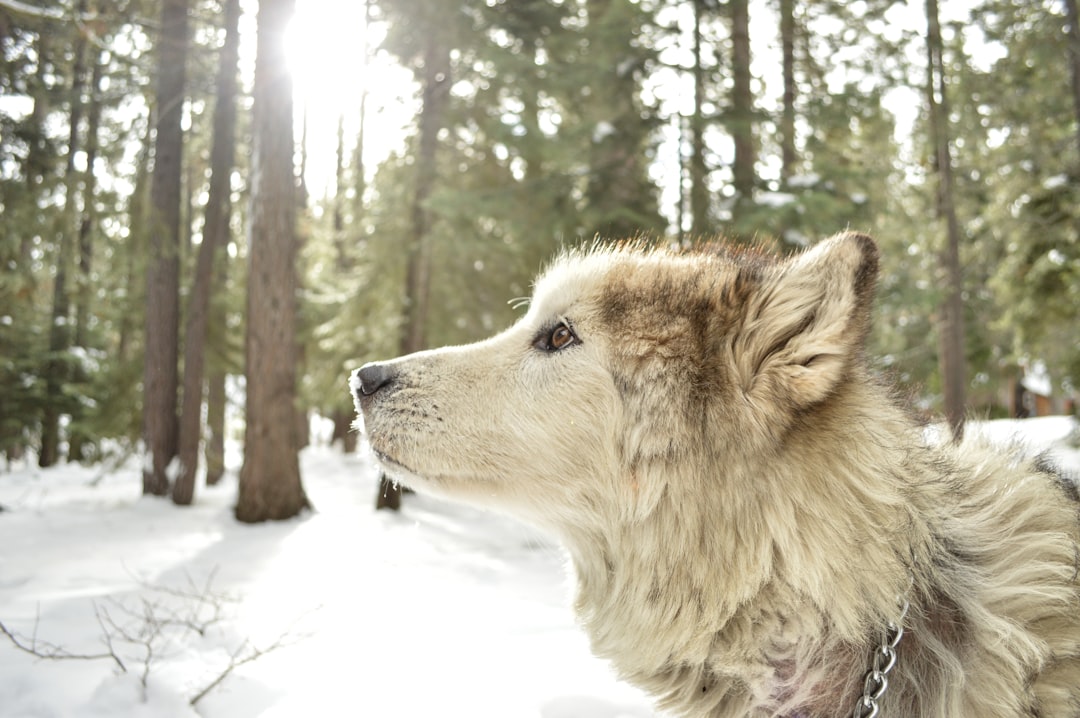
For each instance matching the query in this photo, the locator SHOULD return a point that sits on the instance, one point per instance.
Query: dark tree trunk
(270, 486)
(742, 105)
(787, 118)
(436, 92)
(215, 235)
(57, 369)
(342, 416)
(160, 370)
(77, 440)
(343, 430)
(337, 217)
(38, 154)
(138, 211)
(952, 309)
(1073, 16)
(359, 178)
(215, 427)
(88, 220)
(699, 190)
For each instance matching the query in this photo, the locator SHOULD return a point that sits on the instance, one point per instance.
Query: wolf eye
(557, 337)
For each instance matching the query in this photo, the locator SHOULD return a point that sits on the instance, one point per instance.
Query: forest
(197, 247)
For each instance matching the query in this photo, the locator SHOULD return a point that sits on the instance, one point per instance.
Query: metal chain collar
(876, 680)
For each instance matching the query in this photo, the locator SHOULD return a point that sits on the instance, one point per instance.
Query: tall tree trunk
(215, 234)
(742, 106)
(787, 117)
(78, 438)
(435, 86)
(138, 212)
(270, 486)
(341, 416)
(343, 431)
(436, 89)
(215, 426)
(57, 367)
(953, 374)
(337, 217)
(160, 370)
(699, 190)
(89, 213)
(302, 194)
(682, 207)
(216, 398)
(359, 177)
(38, 153)
(1073, 16)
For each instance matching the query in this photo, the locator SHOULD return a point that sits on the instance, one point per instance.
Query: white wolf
(747, 509)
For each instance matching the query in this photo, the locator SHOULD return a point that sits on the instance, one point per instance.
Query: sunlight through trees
(168, 289)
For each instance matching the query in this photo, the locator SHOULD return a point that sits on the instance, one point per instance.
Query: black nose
(372, 377)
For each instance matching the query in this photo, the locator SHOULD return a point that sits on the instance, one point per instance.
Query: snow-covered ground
(438, 611)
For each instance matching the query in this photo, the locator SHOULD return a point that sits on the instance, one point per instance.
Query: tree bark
(270, 486)
(215, 427)
(160, 371)
(436, 93)
(57, 366)
(215, 235)
(343, 431)
(742, 104)
(787, 118)
(699, 191)
(78, 436)
(953, 373)
(1073, 16)
(89, 213)
(138, 212)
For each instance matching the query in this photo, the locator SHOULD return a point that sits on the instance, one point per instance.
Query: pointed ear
(807, 322)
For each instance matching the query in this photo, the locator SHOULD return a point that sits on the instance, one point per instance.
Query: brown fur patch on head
(762, 337)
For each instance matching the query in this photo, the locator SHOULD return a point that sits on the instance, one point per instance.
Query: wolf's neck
(725, 586)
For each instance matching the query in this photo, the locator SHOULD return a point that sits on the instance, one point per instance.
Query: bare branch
(49, 651)
(144, 628)
(237, 659)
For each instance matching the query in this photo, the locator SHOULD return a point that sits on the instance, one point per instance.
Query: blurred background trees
(468, 142)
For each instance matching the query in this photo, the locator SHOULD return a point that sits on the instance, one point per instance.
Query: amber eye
(561, 336)
(557, 337)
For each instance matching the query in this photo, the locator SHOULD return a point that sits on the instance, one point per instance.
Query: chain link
(877, 681)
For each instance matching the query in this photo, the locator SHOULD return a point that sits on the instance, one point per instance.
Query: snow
(602, 131)
(1055, 182)
(1037, 379)
(806, 180)
(775, 200)
(439, 610)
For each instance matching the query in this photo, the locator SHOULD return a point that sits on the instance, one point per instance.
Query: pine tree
(160, 375)
(270, 486)
(57, 370)
(952, 309)
(215, 236)
(741, 111)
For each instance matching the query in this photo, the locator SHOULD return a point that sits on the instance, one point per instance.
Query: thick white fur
(742, 501)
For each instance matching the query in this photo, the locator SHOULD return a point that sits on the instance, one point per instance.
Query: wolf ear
(807, 320)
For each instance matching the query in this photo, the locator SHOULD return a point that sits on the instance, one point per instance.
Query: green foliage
(562, 124)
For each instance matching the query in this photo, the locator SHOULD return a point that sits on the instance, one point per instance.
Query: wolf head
(628, 362)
